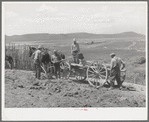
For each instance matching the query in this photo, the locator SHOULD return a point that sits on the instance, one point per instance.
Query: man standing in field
(56, 61)
(37, 61)
(116, 65)
(46, 59)
(75, 50)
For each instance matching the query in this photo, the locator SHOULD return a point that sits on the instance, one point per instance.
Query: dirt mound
(23, 90)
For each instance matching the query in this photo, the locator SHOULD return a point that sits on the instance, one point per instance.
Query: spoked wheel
(65, 69)
(80, 74)
(97, 75)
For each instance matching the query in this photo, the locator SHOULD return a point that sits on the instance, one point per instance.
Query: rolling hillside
(46, 36)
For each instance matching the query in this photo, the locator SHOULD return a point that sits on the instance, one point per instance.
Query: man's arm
(112, 64)
(33, 55)
(40, 56)
(71, 48)
(123, 63)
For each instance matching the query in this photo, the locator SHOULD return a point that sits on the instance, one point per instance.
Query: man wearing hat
(82, 61)
(116, 65)
(75, 50)
(45, 60)
(37, 61)
(56, 62)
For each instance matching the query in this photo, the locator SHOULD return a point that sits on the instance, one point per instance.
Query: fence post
(22, 58)
(18, 56)
(27, 57)
(12, 49)
(14, 55)
(9, 49)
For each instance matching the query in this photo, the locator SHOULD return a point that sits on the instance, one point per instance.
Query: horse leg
(47, 69)
(9, 64)
(50, 69)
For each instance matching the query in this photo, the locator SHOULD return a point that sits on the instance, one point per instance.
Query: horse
(9, 61)
(62, 55)
(45, 59)
(64, 69)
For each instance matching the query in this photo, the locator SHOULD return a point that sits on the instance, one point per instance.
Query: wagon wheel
(97, 75)
(80, 74)
(65, 69)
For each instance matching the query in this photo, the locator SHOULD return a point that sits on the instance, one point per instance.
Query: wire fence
(20, 55)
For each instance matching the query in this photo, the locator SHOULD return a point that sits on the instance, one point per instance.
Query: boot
(120, 85)
(111, 86)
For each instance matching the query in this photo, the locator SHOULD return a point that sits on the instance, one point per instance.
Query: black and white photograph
(74, 60)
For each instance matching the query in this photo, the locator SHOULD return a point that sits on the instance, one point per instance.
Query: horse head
(31, 50)
(62, 55)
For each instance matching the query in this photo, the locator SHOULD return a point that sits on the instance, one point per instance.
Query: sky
(73, 17)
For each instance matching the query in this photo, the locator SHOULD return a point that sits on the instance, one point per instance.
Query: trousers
(75, 57)
(115, 75)
(57, 69)
(37, 70)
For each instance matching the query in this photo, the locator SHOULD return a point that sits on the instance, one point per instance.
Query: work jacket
(37, 56)
(75, 48)
(116, 61)
(56, 58)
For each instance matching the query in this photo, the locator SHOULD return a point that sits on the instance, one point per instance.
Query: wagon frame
(95, 73)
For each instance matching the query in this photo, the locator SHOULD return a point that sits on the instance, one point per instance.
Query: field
(23, 90)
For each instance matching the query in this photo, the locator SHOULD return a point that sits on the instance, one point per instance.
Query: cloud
(37, 20)
(47, 8)
(104, 8)
(9, 14)
(104, 20)
(42, 20)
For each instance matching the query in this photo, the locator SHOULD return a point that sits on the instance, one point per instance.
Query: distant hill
(46, 36)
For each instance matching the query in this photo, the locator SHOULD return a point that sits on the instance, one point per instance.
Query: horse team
(46, 60)
(43, 59)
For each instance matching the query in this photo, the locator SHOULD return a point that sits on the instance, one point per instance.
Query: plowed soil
(22, 90)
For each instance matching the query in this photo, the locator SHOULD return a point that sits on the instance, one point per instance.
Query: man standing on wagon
(75, 50)
(37, 61)
(116, 65)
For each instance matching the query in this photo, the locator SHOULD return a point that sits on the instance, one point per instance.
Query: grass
(101, 50)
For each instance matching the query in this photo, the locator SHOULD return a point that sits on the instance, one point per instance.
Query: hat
(112, 54)
(74, 39)
(39, 47)
(55, 51)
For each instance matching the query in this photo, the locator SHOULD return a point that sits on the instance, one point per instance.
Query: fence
(20, 55)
